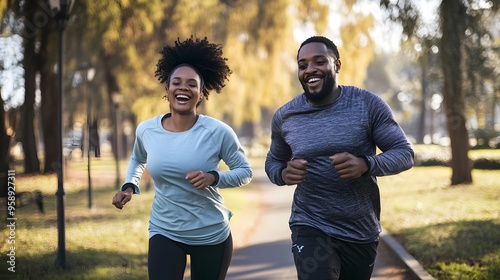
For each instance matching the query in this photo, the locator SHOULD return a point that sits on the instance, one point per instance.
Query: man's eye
(302, 66)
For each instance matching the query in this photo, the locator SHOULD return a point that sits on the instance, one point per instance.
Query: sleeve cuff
(216, 175)
(129, 185)
(368, 163)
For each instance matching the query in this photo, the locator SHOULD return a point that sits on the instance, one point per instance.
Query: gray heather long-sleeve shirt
(357, 122)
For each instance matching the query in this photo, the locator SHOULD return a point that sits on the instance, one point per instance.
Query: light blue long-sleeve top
(180, 211)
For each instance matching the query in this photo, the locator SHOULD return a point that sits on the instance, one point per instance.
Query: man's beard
(326, 89)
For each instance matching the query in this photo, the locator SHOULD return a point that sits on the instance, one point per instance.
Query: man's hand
(295, 171)
(122, 197)
(349, 166)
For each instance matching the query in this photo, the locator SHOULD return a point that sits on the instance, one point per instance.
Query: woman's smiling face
(184, 89)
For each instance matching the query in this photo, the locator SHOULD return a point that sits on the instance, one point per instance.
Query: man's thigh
(357, 259)
(314, 255)
(319, 256)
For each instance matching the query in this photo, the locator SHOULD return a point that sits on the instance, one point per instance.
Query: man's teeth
(312, 80)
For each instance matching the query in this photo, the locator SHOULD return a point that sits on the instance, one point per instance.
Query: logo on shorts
(299, 248)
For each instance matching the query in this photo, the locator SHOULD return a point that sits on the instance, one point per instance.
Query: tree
(481, 87)
(5, 137)
(261, 32)
(45, 61)
(4, 152)
(27, 133)
(456, 18)
(451, 14)
(357, 48)
(116, 38)
(30, 20)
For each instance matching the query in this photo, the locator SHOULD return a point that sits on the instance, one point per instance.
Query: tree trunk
(4, 152)
(425, 92)
(28, 140)
(48, 88)
(114, 114)
(452, 13)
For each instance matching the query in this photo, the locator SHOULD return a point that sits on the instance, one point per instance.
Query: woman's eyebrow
(180, 78)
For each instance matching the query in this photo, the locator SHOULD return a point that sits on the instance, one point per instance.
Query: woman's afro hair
(205, 57)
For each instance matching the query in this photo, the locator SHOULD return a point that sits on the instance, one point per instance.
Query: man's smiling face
(317, 69)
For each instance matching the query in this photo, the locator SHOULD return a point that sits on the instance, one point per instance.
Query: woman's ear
(166, 92)
(200, 100)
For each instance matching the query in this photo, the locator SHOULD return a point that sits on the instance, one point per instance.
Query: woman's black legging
(167, 259)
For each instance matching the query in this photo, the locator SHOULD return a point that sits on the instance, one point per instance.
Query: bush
(431, 155)
(431, 162)
(485, 163)
(435, 155)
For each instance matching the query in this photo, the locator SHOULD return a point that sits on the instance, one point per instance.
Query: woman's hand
(122, 197)
(200, 179)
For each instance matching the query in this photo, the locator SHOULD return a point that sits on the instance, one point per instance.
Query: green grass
(453, 231)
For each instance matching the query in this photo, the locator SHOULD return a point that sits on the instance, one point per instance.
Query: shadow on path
(270, 260)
